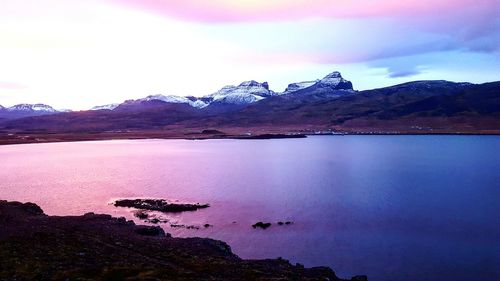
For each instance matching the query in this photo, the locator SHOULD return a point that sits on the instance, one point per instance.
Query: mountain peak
(335, 81)
(334, 74)
(110, 106)
(176, 99)
(253, 83)
(246, 92)
(294, 87)
(40, 107)
(332, 81)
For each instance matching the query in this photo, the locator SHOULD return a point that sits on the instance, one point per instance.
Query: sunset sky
(77, 54)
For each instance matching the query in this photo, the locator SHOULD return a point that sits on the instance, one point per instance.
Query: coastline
(96, 246)
(33, 138)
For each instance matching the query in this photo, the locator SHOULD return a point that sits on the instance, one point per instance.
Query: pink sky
(77, 54)
(275, 10)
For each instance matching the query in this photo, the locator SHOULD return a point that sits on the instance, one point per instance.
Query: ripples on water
(391, 207)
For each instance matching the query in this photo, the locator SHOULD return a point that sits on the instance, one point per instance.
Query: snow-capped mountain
(26, 110)
(245, 93)
(192, 101)
(31, 107)
(330, 84)
(39, 107)
(335, 81)
(248, 92)
(106, 106)
(298, 86)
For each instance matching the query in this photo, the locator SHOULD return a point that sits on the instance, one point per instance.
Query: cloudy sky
(76, 54)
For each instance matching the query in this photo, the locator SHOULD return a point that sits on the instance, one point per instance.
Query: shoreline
(101, 246)
(34, 138)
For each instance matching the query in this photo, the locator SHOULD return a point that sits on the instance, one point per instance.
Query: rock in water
(262, 225)
(158, 205)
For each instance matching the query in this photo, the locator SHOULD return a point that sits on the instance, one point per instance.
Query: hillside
(327, 105)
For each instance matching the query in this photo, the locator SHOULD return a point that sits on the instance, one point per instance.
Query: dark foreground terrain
(34, 246)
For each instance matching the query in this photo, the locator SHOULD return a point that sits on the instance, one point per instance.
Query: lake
(390, 207)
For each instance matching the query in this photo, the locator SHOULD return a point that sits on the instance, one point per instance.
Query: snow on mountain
(198, 103)
(335, 81)
(106, 106)
(298, 86)
(32, 107)
(176, 99)
(330, 84)
(245, 93)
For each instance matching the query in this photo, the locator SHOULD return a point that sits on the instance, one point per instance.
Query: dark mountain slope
(385, 103)
(426, 105)
(153, 116)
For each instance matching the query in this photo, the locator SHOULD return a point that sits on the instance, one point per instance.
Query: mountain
(294, 87)
(110, 106)
(31, 108)
(328, 104)
(192, 101)
(230, 98)
(331, 86)
(26, 110)
(333, 107)
(245, 93)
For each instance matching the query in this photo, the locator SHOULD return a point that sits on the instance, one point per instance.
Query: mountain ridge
(423, 107)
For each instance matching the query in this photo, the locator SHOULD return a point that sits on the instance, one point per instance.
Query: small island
(160, 205)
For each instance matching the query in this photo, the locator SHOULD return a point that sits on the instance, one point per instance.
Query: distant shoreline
(26, 138)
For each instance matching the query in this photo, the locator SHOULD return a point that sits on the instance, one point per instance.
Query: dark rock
(32, 208)
(141, 214)
(150, 230)
(212, 132)
(158, 205)
(281, 223)
(360, 278)
(185, 226)
(155, 220)
(207, 225)
(98, 247)
(262, 225)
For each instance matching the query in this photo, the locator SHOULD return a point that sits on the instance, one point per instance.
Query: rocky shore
(34, 246)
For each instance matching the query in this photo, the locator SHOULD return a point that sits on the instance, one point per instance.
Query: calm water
(391, 207)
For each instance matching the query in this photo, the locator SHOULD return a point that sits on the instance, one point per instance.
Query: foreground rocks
(160, 205)
(265, 225)
(262, 225)
(34, 246)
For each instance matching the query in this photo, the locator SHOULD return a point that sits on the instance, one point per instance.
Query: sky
(77, 54)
